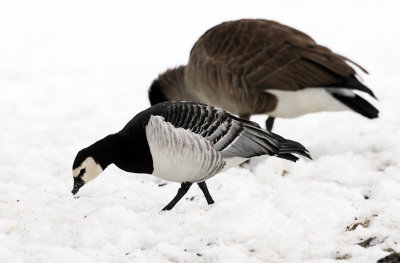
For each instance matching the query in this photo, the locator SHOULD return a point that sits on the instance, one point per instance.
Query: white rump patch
(296, 103)
(92, 169)
(180, 155)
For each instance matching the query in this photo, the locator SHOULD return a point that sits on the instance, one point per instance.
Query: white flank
(296, 103)
(180, 155)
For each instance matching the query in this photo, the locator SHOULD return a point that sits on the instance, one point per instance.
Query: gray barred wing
(231, 136)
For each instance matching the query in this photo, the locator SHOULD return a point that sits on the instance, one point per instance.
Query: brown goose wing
(269, 55)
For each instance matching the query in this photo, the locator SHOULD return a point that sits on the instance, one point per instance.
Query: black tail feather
(265, 142)
(288, 147)
(358, 104)
(353, 83)
(288, 156)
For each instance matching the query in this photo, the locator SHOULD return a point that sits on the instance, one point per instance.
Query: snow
(73, 72)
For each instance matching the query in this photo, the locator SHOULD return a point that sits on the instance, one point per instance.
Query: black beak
(78, 183)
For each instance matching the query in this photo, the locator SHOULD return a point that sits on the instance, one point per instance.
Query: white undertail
(296, 103)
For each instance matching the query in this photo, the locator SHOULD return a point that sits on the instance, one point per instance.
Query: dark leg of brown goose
(269, 123)
(206, 193)
(181, 192)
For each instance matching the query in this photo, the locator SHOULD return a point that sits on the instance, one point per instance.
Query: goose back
(234, 64)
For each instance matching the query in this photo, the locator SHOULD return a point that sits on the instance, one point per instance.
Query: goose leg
(269, 123)
(206, 193)
(181, 192)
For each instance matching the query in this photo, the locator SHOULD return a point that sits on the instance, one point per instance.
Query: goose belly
(296, 103)
(180, 167)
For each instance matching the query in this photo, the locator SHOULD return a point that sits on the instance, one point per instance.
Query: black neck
(170, 86)
(105, 151)
(156, 94)
(134, 153)
(127, 149)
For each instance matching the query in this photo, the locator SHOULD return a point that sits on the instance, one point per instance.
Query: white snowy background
(72, 72)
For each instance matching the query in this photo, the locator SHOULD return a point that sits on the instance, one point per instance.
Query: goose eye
(82, 172)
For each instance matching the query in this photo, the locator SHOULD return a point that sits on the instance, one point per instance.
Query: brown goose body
(255, 66)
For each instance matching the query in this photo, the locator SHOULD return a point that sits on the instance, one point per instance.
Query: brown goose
(255, 66)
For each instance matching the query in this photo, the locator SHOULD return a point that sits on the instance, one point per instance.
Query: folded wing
(231, 136)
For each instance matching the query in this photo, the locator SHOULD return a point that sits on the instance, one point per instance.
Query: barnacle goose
(185, 142)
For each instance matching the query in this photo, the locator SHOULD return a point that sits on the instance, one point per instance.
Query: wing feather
(231, 136)
(228, 135)
(269, 55)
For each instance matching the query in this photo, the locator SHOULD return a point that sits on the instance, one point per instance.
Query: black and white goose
(185, 142)
(256, 66)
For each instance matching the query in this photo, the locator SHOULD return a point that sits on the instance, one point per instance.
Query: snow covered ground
(72, 72)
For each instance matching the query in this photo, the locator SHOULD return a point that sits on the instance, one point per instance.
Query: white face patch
(92, 170)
